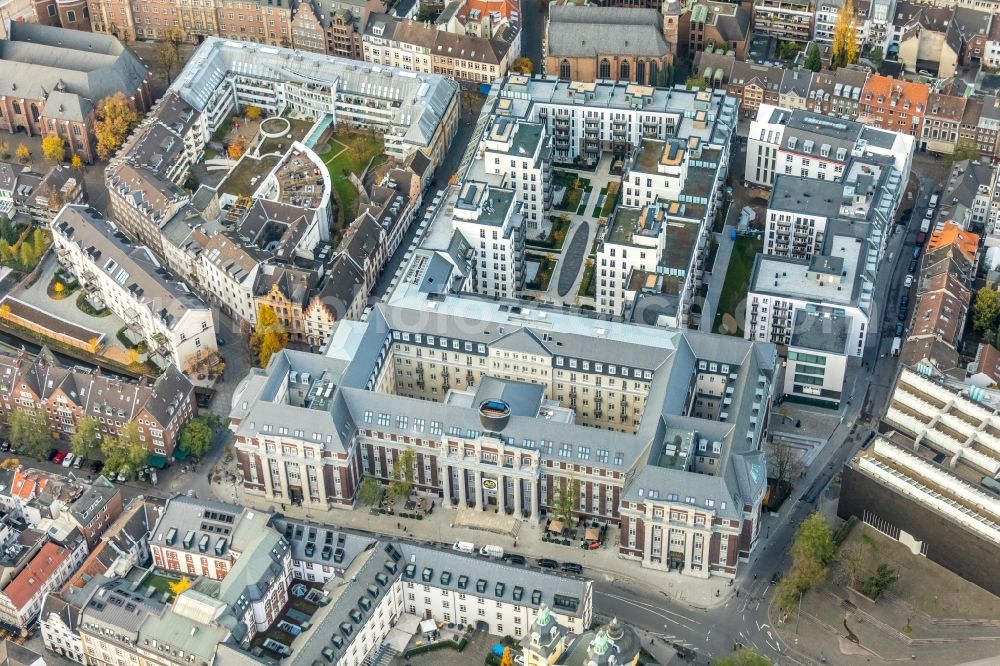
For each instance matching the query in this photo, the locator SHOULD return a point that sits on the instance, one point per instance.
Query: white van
(490, 550)
(464, 546)
(934, 200)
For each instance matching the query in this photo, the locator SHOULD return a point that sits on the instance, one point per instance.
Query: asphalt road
(532, 31)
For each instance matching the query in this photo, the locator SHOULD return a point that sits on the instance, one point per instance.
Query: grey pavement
(572, 258)
(717, 278)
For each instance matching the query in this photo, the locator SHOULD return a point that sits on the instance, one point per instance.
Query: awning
(556, 527)
(592, 534)
(157, 461)
(427, 626)
(180, 454)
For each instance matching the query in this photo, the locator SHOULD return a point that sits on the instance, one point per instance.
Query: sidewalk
(439, 527)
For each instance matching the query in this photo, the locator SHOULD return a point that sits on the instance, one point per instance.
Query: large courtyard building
(504, 403)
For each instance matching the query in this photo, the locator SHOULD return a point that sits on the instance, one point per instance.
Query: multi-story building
(837, 93)
(789, 20)
(68, 394)
(929, 481)
(589, 43)
(970, 198)
(894, 105)
(60, 616)
(527, 389)
(176, 325)
(519, 152)
(809, 145)
(716, 24)
(415, 46)
(21, 599)
(873, 22)
(39, 196)
(54, 79)
(333, 27)
(752, 84)
(942, 123)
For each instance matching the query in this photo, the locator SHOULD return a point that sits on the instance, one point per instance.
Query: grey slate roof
(38, 61)
(583, 31)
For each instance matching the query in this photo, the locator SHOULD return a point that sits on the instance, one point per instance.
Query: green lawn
(734, 290)
(159, 582)
(587, 283)
(546, 266)
(361, 148)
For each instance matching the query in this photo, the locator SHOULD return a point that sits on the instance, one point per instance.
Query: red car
(59, 458)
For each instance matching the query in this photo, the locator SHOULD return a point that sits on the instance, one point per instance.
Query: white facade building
(519, 153)
(491, 221)
(811, 145)
(176, 325)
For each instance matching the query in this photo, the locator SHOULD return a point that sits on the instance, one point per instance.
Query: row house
(943, 294)
(21, 599)
(942, 123)
(891, 104)
(244, 20)
(39, 196)
(161, 409)
(751, 84)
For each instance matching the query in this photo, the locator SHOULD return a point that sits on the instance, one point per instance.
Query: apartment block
(517, 155)
(39, 196)
(789, 20)
(894, 105)
(21, 598)
(810, 145)
(68, 394)
(413, 46)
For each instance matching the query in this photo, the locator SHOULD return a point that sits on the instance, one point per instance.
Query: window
(564, 70)
(604, 70)
(623, 71)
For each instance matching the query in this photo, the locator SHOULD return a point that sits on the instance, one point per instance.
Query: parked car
(902, 314)
(514, 558)
(4, 445)
(900, 329)
(546, 563)
(78, 463)
(96, 466)
(904, 301)
(571, 567)
(52, 454)
(916, 252)
(908, 281)
(913, 266)
(59, 457)
(68, 459)
(219, 341)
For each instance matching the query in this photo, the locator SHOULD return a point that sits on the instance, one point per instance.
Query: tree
(166, 59)
(845, 37)
(29, 429)
(269, 336)
(813, 542)
(743, 657)
(22, 154)
(564, 501)
(53, 148)
(814, 60)
(877, 56)
(115, 119)
(524, 65)
(507, 659)
(175, 37)
(199, 433)
(252, 112)
(402, 474)
(986, 311)
(696, 82)
(126, 450)
(788, 50)
(783, 464)
(76, 162)
(236, 148)
(86, 439)
(179, 586)
(10, 463)
(965, 149)
(881, 580)
(370, 491)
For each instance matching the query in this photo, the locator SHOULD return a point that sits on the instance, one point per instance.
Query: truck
(464, 546)
(897, 343)
(490, 550)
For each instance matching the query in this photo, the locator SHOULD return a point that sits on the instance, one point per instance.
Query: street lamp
(798, 614)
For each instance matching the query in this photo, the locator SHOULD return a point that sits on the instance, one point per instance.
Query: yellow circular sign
(489, 484)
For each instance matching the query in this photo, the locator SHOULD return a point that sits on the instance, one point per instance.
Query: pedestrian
(397, 525)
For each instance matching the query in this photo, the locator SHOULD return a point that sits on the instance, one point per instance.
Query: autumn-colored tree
(10, 463)
(269, 336)
(236, 148)
(252, 112)
(76, 162)
(166, 59)
(115, 119)
(22, 154)
(507, 659)
(179, 586)
(523, 65)
(54, 148)
(86, 438)
(845, 41)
